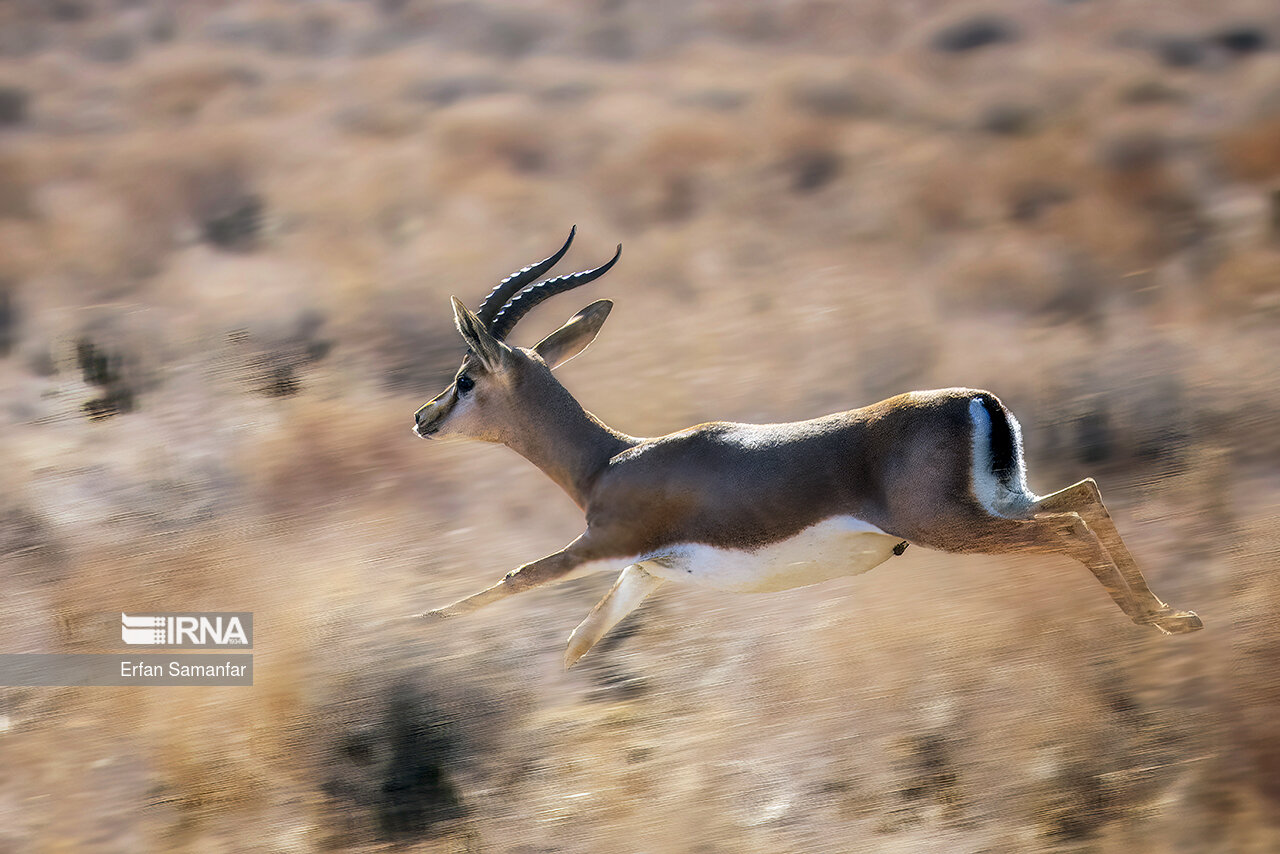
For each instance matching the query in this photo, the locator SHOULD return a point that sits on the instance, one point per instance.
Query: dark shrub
(236, 225)
(1029, 201)
(812, 170)
(1242, 39)
(69, 10)
(976, 32)
(112, 48)
(275, 363)
(8, 320)
(450, 90)
(392, 775)
(13, 105)
(106, 370)
(1133, 152)
(1152, 92)
(1179, 52)
(1008, 119)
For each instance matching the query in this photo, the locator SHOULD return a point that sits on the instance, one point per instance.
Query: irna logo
(192, 630)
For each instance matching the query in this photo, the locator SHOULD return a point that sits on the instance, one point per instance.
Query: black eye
(464, 384)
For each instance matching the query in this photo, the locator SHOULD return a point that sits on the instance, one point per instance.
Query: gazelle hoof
(1176, 622)
(572, 654)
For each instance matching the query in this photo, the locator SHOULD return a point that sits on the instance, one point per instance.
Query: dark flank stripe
(1004, 452)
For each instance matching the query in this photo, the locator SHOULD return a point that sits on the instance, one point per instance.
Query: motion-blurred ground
(228, 231)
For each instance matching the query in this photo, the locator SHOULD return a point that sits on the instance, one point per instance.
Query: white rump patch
(996, 498)
(832, 548)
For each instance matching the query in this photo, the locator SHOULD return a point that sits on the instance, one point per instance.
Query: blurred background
(228, 234)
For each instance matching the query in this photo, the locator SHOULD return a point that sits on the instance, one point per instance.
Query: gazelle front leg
(553, 567)
(1085, 499)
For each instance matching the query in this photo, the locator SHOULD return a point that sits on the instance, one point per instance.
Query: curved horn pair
(514, 296)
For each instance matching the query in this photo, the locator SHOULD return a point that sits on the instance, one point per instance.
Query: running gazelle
(759, 507)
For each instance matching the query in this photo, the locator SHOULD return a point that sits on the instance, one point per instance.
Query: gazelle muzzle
(427, 419)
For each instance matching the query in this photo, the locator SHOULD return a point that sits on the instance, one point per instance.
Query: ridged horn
(513, 284)
(520, 304)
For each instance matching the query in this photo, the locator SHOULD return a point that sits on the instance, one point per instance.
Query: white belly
(833, 548)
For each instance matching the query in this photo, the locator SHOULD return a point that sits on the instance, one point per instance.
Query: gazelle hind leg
(1085, 499)
(1069, 534)
(631, 588)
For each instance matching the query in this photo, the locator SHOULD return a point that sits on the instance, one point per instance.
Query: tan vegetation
(228, 231)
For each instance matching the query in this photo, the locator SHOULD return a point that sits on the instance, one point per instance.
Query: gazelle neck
(570, 445)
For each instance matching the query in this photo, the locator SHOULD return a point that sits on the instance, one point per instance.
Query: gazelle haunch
(759, 507)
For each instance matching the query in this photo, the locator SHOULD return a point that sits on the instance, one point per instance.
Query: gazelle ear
(485, 347)
(572, 338)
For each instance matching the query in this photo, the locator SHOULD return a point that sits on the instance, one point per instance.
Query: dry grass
(1250, 153)
(227, 236)
(1248, 283)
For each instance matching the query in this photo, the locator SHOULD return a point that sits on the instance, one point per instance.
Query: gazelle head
(497, 385)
